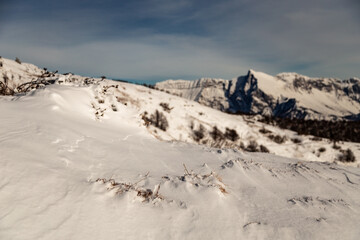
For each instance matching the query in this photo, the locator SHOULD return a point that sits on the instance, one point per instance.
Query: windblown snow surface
(74, 167)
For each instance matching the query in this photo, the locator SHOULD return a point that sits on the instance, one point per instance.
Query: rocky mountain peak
(288, 95)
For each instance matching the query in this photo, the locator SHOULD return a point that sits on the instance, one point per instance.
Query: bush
(322, 149)
(263, 130)
(347, 156)
(296, 140)
(231, 134)
(277, 138)
(149, 86)
(317, 139)
(4, 88)
(252, 147)
(216, 134)
(17, 60)
(159, 120)
(113, 107)
(199, 133)
(165, 107)
(336, 147)
(264, 149)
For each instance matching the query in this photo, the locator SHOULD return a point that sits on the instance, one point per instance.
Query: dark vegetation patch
(263, 130)
(216, 134)
(253, 146)
(198, 133)
(264, 149)
(231, 134)
(333, 130)
(166, 107)
(346, 156)
(322, 149)
(149, 86)
(156, 119)
(317, 139)
(296, 140)
(18, 60)
(277, 138)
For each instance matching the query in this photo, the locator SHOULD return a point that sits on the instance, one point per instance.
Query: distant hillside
(287, 95)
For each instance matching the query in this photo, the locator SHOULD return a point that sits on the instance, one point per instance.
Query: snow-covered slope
(16, 73)
(285, 95)
(78, 162)
(186, 118)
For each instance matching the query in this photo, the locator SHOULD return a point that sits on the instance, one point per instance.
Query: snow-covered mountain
(287, 95)
(86, 158)
(186, 120)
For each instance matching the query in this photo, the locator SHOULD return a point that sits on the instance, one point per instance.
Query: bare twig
(186, 171)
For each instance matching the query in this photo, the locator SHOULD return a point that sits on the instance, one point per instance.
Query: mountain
(90, 158)
(287, 95)
(184, 120)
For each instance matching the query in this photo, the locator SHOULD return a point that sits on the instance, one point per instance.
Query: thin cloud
(177, 39)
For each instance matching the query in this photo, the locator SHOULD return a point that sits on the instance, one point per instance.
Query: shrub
(113, 107)
(231, 134)
(216, 134)
(347, 156)
(277, 138)
(199, 133)
(296, 140)
(149, 86)
(252, 147)
(322, 149)
(159, 120)
(165, 107)
(17, 60)
(263, 130)
(264, 149)
(317, 139)
(4, 88)
(336, 146)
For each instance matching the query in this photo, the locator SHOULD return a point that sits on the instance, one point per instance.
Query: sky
(153, 40)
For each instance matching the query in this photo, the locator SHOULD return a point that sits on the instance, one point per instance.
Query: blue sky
(161, 39)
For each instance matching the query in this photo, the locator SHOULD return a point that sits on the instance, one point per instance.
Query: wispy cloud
(158, 39)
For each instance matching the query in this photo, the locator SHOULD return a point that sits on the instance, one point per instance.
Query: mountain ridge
(287, 95)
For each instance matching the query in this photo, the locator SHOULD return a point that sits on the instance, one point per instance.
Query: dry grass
(147, 195)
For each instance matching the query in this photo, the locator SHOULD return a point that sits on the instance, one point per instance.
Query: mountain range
(286, 95)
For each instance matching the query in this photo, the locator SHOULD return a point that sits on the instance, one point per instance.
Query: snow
(55, 150)
(18, 73)
(325, 104)
(319, 101)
